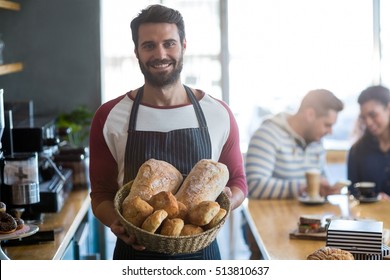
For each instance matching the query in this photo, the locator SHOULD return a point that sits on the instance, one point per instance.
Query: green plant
(77, 124)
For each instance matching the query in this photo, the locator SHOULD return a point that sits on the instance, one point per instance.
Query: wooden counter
(65, 224)
(271, 222)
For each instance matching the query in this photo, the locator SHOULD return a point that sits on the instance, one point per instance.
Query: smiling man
(164, 120)
(285, 146)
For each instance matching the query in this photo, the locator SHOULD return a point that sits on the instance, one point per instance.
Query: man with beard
(165, 120)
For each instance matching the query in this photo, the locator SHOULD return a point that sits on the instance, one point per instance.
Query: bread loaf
(205, 181)
(136, 210)
(183, 210)
(220, 215)
(153, 177)
(172, 227)
(153, 222)
(189, 229)
(203, 213)
(329, 253)
(167, 201)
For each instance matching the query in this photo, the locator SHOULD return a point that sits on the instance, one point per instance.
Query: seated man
(285, 146)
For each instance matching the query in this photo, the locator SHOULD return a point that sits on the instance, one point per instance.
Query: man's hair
(380, 94)
(322, 101)
(157, 14)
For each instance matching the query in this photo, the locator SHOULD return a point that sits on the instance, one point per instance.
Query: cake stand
(25, 231)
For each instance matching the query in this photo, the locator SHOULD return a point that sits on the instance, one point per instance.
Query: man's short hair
(157, 14)
(322, 101)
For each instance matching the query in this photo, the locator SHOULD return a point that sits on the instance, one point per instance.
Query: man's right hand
(121, 233)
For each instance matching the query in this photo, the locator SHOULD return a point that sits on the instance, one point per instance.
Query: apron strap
(137, 101)
(199, 113)
(134, 110)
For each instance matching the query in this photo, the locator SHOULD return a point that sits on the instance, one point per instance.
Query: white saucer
(25, 231)
(311, 201)
(363, 199)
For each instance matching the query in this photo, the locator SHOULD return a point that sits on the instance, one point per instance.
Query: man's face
(160, 53)
(320, 126)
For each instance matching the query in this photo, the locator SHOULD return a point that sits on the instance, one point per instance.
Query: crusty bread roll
(205, 181)
(136, 210)
(153, 177)
(329, 253)
(153, 222)
(189, 229)
(220, 215)
(167, 201)
(203, 213)
(183, 210)
(172, 227)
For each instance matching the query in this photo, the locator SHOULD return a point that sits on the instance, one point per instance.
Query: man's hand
(120, 232)
(327, 189)
(235, 195)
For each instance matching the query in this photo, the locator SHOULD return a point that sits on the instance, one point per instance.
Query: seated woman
(369, 157)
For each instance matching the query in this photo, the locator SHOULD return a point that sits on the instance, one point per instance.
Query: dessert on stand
(25, 231)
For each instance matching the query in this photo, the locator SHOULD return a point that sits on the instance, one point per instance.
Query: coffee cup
(365, 189)
(313, 181)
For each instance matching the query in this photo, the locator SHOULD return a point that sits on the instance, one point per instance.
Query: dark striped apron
(182, 148)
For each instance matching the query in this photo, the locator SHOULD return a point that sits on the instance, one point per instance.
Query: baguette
(205, 182)
(155, 176)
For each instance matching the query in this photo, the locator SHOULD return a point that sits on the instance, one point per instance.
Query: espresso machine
(31, 180)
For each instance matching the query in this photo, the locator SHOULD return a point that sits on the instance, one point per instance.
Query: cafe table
(272, 221)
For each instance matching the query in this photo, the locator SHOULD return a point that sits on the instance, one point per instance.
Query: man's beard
(162, 79)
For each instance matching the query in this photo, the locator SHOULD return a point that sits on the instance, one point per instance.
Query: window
(385, 42)
(279, 50)
(282, 49)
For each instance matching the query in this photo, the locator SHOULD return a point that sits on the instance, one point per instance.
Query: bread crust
(189, 229)
(310, 224)
(136, 210)
(205, 182)
(172, 227)
(183, 211)
(330, 253)
(167, 201)
(203, 213)
(310, 219)
(220, 215)
(155, 176)
(153, 222)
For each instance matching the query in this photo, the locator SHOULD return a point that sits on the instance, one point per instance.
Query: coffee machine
(28, 166)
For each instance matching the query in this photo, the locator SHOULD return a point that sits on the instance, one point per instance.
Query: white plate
(369, 199)
(311, 201)
(25, 231)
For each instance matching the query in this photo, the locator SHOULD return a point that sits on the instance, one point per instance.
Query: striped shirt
(277, 159)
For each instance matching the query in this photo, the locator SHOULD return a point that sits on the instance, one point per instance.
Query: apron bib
(182, 148)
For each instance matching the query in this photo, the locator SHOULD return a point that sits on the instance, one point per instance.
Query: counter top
(271, 222)
(64, 224)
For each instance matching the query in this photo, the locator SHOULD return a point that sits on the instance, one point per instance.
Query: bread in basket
(169, 244)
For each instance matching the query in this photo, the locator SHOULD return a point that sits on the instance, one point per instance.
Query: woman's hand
(117, 229)
(384, 196)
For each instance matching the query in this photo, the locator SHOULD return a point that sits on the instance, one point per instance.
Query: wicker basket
(169, 244)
